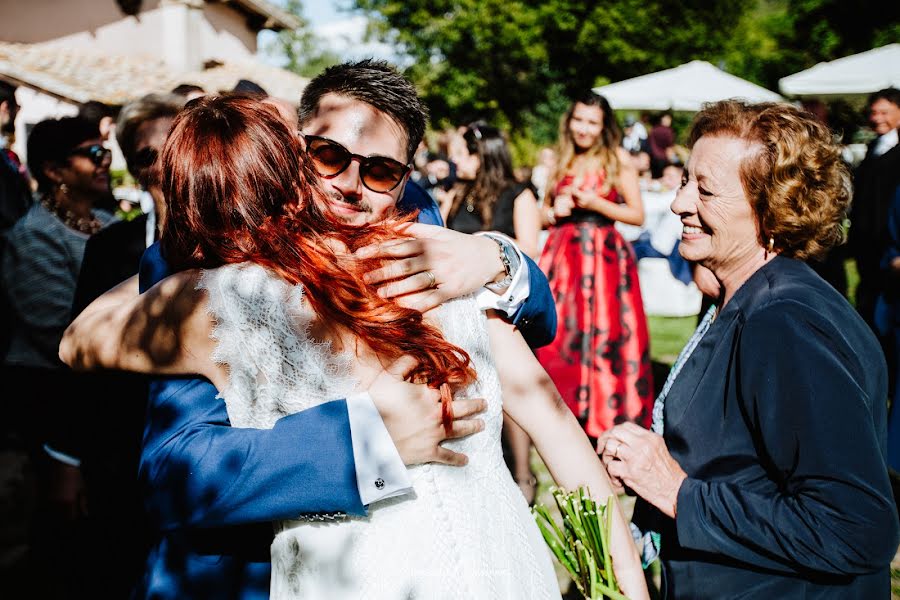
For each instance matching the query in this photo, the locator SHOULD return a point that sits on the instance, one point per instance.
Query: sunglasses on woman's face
(95, 152)
(145, 157)
(378, 173)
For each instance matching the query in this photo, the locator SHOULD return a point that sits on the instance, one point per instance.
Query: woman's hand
(563, 204)
(639, 459)
(585, 198)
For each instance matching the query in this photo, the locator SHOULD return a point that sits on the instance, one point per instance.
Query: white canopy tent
(686, 87)
(857, 74)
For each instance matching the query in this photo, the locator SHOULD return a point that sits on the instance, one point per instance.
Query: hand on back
(412, 415)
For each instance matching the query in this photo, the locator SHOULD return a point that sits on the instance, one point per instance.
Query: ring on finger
(432, 281)
(616, 451)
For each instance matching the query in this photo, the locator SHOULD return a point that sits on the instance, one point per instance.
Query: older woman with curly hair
(764, 475)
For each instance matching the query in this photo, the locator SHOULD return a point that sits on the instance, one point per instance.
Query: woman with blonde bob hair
(745, 486)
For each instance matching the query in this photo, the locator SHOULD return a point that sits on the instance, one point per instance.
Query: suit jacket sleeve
(814, 426)
(536, 318)
(199, 471)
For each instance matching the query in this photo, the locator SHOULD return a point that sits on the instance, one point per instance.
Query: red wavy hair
(239, 187)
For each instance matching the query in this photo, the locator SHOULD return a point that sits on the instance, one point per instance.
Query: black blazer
(779, 419)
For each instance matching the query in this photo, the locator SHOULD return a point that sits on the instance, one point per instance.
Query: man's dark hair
(8, 94)
(379, 85)
(186, 88)
(52, 141)
(96, 111)
(250, 88)
(890, 94)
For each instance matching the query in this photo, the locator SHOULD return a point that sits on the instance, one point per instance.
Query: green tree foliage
(517, 62)
(300, 48)
(776, 38)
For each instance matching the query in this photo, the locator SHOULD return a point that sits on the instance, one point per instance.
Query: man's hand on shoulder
(412, 415)
(438, 265)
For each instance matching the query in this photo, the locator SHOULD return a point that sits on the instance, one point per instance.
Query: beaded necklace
(89, 225)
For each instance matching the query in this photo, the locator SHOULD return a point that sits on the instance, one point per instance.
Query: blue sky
(339, 28)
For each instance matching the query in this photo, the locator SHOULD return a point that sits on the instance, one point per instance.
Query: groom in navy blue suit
(213, 490)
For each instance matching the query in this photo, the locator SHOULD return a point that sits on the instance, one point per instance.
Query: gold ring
(616, 451)
(432, 281)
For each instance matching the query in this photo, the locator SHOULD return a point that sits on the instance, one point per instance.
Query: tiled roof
(275, 17)
(80, 75)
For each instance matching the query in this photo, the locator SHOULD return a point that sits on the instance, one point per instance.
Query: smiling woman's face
(719, 225)
(585, 125)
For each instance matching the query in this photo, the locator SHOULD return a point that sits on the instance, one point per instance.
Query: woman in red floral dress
(600, 359)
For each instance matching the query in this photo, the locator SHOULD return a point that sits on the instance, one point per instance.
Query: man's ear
(4, 110)
(106, 126)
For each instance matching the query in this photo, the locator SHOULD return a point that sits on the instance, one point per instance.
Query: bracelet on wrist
(532, 480)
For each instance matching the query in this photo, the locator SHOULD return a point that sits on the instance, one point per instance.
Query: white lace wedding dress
(464, 533)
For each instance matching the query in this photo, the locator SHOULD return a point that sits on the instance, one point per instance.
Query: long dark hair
(495, 173)
(239, 187)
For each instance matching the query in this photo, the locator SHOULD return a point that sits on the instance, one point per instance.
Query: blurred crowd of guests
(579, 209)
(70, 444)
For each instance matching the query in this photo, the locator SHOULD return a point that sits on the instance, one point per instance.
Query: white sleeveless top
(465, 532)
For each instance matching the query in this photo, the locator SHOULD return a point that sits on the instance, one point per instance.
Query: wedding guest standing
(40, 264)
(600, 359)
(764, 475)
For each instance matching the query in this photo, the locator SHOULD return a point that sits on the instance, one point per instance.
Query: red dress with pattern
(600, 359)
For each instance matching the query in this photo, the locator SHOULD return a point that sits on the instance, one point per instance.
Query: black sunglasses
(145, 157)
(95, 152)
(378, 173)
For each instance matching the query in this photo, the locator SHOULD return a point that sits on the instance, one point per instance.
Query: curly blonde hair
(797, 183)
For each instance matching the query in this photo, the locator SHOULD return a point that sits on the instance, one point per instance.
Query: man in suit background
(874, 183)
(212, 490)
(98, 435)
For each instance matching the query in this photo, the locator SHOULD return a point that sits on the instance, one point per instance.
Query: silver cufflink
(379, 483)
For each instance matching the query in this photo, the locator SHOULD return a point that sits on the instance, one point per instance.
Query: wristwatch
(509, 256)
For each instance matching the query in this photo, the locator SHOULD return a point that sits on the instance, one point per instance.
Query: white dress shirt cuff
(380, 472)
(62, 457)
(515, 295)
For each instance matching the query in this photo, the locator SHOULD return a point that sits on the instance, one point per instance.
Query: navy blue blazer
(212, 490)
(778, 419)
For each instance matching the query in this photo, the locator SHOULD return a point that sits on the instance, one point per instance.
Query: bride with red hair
(271, 306)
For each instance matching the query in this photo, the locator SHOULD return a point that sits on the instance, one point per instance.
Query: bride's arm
(531, 399)
(164, 331)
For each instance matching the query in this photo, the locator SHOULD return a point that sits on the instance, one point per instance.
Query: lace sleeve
(261, 333)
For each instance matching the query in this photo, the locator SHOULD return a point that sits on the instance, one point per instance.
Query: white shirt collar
(886, 142)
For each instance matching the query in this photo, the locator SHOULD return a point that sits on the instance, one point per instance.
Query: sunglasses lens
(145, 157)
(98, 154)
(330, 158)
(382, 174)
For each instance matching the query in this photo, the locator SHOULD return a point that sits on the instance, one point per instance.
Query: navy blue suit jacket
(212, 490)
